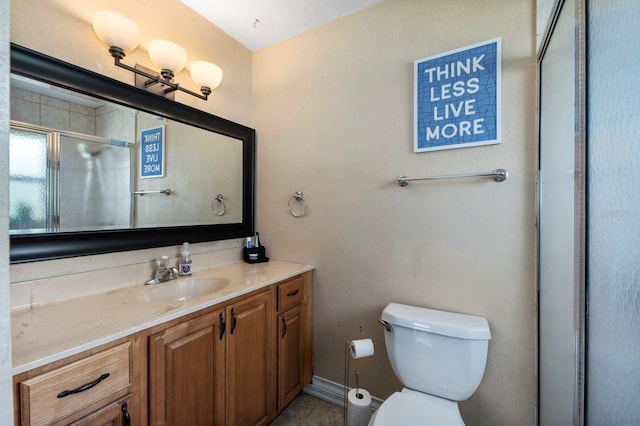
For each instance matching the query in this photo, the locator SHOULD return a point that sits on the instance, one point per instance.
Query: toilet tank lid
(461, 326)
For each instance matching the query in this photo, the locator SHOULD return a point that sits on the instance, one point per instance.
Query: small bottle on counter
(185, 261)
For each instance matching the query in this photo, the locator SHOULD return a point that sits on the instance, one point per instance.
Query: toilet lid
(403, 409)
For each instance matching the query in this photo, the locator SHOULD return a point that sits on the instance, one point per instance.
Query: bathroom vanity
(235, 356)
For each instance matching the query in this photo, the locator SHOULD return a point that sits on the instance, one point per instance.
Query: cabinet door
(186, 373)
(251, 361)
(291, 355)
(115, 414)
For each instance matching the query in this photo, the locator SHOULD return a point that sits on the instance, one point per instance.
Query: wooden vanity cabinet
(93, 388)
(217, 368)
(186, 372)
(294, 337)
(251, 352)
(235, 364)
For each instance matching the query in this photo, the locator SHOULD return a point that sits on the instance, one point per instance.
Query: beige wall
(333, 109)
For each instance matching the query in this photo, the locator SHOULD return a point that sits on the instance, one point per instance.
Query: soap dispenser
(185, 261)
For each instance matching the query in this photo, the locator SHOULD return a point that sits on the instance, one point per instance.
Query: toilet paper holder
(359, 395)
(356, 349)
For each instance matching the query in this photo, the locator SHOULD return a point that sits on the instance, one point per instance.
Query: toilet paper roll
(361, 348)
(359, 407)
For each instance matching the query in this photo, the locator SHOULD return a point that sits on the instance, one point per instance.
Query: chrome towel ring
(217, 205)
(298, 197)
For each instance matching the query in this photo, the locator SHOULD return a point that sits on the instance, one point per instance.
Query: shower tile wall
(115, 123)
(25, 106)
(33, 108)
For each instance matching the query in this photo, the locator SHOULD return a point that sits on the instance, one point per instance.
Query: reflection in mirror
(93, 177)
(199, 166)
(98, 166)
(60, 181)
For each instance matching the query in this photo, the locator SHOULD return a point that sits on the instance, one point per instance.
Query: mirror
(124, 169)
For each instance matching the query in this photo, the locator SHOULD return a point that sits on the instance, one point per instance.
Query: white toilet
(439, 357)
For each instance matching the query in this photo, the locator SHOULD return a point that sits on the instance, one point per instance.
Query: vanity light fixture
(122, 35)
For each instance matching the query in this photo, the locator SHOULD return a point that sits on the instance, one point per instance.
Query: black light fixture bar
(164, 78)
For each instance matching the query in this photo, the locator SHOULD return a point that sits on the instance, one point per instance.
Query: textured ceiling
(260, 23)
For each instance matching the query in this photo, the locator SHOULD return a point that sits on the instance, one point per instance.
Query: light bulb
(116, 30)
(206, 74)
(167, 55)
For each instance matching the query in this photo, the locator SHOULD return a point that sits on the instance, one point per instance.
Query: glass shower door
(95, 184)
(63, 182)
(613, 284)
(29, 199)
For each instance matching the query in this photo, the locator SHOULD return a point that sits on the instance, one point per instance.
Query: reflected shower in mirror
(77, 182)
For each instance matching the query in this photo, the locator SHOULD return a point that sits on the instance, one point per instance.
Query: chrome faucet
(163, 271)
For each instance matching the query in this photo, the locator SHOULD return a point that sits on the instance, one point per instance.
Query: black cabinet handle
(223, 325)
(234, 321)
(293, 293)
(125, 414)
(284, 327)
(83, 387)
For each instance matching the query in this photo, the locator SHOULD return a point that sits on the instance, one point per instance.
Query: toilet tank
(436, 352)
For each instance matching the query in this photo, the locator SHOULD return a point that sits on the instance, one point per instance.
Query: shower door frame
(580, 204)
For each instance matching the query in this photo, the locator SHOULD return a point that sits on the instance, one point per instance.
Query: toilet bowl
(411, 408)
(439, 357)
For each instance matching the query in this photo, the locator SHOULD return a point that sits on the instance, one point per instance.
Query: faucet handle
(173, 273)
(162, 262)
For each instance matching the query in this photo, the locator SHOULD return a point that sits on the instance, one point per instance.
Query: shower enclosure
(589, 215)
(64, 181)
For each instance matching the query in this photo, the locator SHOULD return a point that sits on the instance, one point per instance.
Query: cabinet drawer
(290, 293)
(44, 400)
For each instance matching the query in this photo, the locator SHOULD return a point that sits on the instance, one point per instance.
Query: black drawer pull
(125, 414)
(223, 325)
(83, 387)
(284, 328)
(234, 321)
(293, 293)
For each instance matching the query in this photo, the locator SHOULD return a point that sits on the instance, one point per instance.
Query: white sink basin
(182, 289)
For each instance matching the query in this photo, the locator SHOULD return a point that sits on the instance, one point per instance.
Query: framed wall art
(457, 98)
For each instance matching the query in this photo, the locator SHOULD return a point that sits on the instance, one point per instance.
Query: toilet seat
(411, 408)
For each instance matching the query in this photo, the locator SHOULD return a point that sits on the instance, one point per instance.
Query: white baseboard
(333, 392)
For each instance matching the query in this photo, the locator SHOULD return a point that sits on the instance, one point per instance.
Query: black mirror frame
(36, 247)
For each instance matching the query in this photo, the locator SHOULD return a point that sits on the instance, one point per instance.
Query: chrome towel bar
(499, 175)
(162, 191)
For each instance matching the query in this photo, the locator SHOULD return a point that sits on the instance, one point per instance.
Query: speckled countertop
(53, 331)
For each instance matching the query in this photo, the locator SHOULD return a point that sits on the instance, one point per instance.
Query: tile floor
(307, 410)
